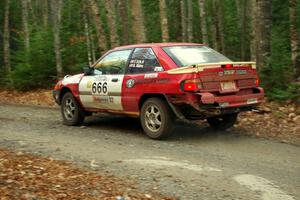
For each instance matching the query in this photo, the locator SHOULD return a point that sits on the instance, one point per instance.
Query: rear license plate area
(252, 100)
(229, 85)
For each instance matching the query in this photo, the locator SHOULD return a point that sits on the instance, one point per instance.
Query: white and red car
(159, 83)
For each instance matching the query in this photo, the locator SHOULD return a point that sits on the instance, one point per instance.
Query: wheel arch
(63, 91)
(146, 96)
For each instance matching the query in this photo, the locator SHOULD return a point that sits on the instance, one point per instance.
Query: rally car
(160, 83)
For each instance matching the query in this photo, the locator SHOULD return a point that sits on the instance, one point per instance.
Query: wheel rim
(69, 109)
(153, 118)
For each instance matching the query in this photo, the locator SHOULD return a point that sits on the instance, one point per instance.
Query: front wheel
(71, 111)
(156, 118)
(222, 122)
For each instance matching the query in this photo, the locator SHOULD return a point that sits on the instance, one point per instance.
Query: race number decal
(99, 88)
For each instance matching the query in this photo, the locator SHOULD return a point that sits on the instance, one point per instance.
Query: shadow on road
(132, 126)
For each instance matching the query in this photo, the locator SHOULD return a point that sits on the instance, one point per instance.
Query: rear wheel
(222, 122)
(71, 111)
(156, 118)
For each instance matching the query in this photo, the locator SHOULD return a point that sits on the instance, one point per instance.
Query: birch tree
(111, 18)
(264, 24)
(138, 27)
(24, 4)
(6, 37)
(294, 37)
(56, 6)
(164, 20)
(203, 21)
(183, 21)
(190, 21)
(125, 21)
(253, 40)
(102, 43)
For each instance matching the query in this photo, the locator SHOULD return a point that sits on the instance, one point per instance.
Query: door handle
(114, 80)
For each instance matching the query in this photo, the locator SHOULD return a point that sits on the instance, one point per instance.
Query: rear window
(191, 55)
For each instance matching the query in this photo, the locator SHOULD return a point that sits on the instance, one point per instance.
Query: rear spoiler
(201, 67)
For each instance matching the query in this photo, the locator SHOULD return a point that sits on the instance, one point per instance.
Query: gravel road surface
(195, 163)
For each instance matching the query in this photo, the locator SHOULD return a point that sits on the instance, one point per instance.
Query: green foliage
(277, 75)
(36, 68)
(292, 92)
(152, 20)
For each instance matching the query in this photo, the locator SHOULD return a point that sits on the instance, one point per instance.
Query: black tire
(150, 118)
(222, 122)
(71, 111)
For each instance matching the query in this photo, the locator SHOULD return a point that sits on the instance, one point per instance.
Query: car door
(143, 75)
(103, 89)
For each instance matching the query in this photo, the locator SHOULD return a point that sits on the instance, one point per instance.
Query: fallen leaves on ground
(272, 120)
(25, 176)
(40, 97)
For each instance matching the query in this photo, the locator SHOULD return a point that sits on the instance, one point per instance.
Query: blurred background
(42, 40)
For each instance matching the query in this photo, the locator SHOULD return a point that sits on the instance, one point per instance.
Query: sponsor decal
(89, 84)
(101, 99)
(229, 72)
(137, 63)
(130, 83)
(158, 69)
(241, 71)
(100, 78)
(152, 75)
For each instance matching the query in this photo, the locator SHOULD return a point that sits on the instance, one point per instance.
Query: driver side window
(113, 63)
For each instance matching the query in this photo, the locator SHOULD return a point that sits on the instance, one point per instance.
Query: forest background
(42, 40)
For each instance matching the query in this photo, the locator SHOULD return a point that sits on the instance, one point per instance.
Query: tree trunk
(183, 20)
(220, 15)
(264, 24)
(253, 33)
(215, 27)
(25, 24)
(45, 13)
(6, 46)
(93, 48)
(203, 21)
(124, 19)
(111, 18)
(32, 13)
(102, 43)
(294, 38)
(138, 27)
(56, 6)
(243, 21)
(88, 41)
(164, 20)
(190, 21)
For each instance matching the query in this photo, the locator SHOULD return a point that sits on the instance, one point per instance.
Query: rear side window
(191, 55)
(143, 60)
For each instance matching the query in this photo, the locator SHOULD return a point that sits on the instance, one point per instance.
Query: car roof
(157, 45)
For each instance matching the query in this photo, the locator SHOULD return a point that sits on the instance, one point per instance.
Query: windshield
(191, 55)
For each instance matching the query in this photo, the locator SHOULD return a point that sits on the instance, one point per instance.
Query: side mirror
(88, 70)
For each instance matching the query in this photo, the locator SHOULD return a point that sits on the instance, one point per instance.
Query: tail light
(257, 82)
(192, 85)
(227, 66)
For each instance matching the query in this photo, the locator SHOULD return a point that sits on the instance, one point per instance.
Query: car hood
(72, 79)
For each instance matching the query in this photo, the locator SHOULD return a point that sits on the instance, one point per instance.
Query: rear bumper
(229, 101)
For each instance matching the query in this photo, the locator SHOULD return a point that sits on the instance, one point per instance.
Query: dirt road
(195, 163)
